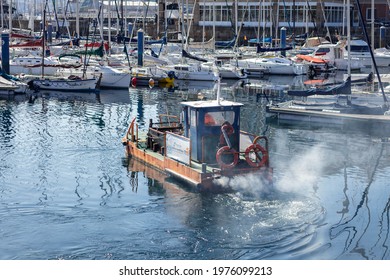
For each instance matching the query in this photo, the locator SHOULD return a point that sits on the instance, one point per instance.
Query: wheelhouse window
(218, 118)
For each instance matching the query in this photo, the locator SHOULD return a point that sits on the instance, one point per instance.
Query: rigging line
(55, 15)
(166, 30)
(229, 12)
(146, 14)
(312, 19)
(326, 21)
(241, 25)
(86, 51)
(386, 105)
(285, 14)
(189, 27)
(63, 20)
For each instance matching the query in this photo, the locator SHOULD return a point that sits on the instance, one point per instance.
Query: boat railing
(250, 141)
(255, 138)
(156, 139)
(166, 119)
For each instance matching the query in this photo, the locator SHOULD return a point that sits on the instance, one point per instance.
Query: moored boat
(72, 83)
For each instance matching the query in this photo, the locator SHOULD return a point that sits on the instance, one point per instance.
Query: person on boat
(209, 120)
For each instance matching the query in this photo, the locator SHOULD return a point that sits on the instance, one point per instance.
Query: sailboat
(345, 110)
(70, 83)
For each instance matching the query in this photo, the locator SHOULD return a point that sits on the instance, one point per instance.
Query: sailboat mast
(10, 16)
(77, 19)
(349, 36)
(2, 16)
(372, 54)
(372, 30)
(43, 38)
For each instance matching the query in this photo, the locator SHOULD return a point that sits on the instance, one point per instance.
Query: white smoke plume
(292, 174)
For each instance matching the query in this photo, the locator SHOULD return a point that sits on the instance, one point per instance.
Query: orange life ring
(256, 148)
(225, 150)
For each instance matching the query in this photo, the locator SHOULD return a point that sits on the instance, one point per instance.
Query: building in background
(203, 19)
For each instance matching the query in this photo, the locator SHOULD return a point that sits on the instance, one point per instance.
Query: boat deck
(210, 168)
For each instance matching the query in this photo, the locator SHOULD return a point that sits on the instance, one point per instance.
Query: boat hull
(194, 178)
(373, 123)
(78, 85)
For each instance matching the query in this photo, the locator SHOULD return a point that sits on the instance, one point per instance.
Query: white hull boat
(74, 84)
(272, 65)
(112, 78)
(330, 57)
(10, 86)
(360, 50)
(192, 72)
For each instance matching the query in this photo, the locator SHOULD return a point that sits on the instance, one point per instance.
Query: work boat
(204, 149)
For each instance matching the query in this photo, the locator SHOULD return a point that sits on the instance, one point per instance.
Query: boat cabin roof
(211, 103)
(358, 42)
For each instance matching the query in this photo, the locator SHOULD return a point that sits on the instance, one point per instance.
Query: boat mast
(2, 17)
(386, 105)
(44, 38)
(77, 19)
(372, 31)
(9, 16)
(349, 36)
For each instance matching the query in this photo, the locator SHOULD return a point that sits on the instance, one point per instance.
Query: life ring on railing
(257, 161)
(222, 153)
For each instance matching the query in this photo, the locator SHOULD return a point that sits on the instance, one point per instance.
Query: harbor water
(67, 190)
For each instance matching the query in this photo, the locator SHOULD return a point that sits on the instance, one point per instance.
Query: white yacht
(194, 71)
(360, 50)
(113, 78)
(330, 56)
(272, 65)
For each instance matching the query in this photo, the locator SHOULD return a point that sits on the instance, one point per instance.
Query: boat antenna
(372, 54)
(219, 90)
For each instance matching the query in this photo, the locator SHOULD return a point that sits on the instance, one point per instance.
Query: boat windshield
(218, 118)
(322, 51)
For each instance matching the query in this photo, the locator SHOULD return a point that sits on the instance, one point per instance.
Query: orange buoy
(151, 83)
